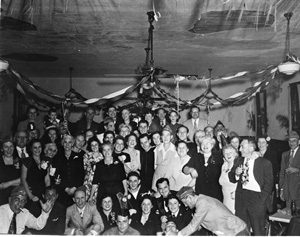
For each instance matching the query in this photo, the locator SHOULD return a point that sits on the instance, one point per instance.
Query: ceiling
(44, 38)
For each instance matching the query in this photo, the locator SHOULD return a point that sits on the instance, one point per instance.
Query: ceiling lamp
(3, 65)
(288, 67)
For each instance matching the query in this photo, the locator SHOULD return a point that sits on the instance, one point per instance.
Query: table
(283, 216)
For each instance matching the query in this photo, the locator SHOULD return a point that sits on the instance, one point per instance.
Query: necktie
(291, 157)
(13, 225)
(195, 124)
(23, 153)
(245, 177)
(81, 213)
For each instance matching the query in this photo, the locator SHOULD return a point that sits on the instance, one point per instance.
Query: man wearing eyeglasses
(14, 217)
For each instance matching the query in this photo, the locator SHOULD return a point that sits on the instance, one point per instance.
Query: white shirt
(252, 184)
(81, 211)
(19, 150)
(295, 150)
(195, 120)
(23, 219)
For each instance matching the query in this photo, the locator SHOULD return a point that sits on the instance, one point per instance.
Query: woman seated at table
(146, 221)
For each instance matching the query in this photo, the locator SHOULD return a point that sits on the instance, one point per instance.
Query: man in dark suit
(147, 160)
(56, 221)
(161, 197)
(290, 172)
(255, 181)
(87, 123)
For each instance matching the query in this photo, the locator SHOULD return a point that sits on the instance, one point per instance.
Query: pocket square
(56, 219)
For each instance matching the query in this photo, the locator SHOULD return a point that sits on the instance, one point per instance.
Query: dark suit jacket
(272, 157)
(182, 219)
(109, 221)
(135, 203)
(55, 223)
(160, 203)
(207, 182)
(263, 175)
(151, 227)
(81, 126)
(290, 183)
(147, 166)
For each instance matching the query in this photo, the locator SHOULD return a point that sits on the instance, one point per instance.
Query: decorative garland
(267, 75)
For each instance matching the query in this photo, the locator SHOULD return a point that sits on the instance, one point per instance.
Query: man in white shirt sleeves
(23, 218)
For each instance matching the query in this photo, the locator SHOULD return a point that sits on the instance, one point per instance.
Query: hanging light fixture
(288, 67)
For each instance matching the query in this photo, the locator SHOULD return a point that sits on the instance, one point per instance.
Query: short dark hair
(194, 107)
(251, 141)
(133, 173)
(156, 132)
(161, 180)
(182, 126)
(172, 196)
(109, 132)
(143, 121)
(31, 107)
(180, 141)
(111, 106)
(144, 135)
(123, 212)
(105, 195)
(149, 111)
(119, 138)
(129, 135)
(92, 139)
(264, 136)
(161, 109)
(52, 187)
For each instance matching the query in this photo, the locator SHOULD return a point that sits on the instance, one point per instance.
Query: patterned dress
(90, 160)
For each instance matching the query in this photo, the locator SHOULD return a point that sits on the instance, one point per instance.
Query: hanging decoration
(289, 67)
(264, 77)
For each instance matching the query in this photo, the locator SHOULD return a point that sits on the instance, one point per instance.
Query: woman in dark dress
(10, 169)
(69, 171)
(146, 221)
(107, 212)
(109, 177)
(35, 175)
(206, 169)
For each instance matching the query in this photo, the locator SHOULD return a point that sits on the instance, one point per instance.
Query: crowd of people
(151, 176)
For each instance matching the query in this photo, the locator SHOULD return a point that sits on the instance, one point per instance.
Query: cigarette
(57, 176)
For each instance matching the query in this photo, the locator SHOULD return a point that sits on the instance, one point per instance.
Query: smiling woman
(35, 176)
